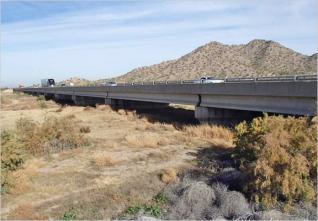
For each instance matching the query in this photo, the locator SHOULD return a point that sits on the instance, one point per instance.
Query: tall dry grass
(209, 131)
(102, 159)
(145, 139)
(22, 177)
(25, 212)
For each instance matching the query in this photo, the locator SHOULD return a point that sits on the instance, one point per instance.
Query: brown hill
(257, 58)
(75, 81)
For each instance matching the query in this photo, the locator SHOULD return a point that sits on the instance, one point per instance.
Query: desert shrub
(85, 129)
(11, 152)
(279, 156)
(52, 135)
(69, 214)
(12, 158)
(155, 208)
(168, 175)
(195, 201)
(41, 101)
(103, 159)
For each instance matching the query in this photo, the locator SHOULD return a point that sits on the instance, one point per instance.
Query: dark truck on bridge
(47, 83)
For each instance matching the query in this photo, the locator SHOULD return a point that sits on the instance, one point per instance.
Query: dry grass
(25, 212)
(103, 160)
(207, 132)
(18, 101)
(168, 175)
(23, 176)
(90, 176)
(60, 109)
(88, 108)
(104, 107)
(146, 139)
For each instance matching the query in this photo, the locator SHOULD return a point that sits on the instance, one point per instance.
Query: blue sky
(103, 39)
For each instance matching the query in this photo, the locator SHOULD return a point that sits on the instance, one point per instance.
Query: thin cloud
(136, 33)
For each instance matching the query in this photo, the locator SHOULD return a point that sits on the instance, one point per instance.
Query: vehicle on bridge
(207, 80)
(47, 82)
(111, 83)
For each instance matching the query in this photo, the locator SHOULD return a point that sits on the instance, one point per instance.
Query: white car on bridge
(207, 80)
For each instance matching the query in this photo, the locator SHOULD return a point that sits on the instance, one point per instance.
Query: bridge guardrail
(226, 80)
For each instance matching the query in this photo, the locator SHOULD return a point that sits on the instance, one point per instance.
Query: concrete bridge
(235, 98)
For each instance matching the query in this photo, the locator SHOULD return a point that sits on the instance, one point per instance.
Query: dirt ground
(123, 165)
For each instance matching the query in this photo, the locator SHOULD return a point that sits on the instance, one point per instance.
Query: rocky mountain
(257, 58)
(75, 81)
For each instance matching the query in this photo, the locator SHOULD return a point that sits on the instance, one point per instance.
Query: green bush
(69, 215)
(279, 156)
(154, 208)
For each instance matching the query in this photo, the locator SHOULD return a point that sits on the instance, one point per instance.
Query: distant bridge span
(295, 95)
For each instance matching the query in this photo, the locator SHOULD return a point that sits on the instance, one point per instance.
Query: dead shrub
(85, 129)
(279, 156)
(207, 132)
(168, 175)
(54, 134)
(103, 159)
(233, 205)
(191, 198)
(194, 203)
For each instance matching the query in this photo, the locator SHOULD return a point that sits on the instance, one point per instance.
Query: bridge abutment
(221, 116)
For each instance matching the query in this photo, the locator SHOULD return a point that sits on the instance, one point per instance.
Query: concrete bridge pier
(222, 116)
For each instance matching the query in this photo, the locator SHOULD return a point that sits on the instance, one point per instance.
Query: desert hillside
(257, 58)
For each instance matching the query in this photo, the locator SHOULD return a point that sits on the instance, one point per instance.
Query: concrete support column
(220, 115)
